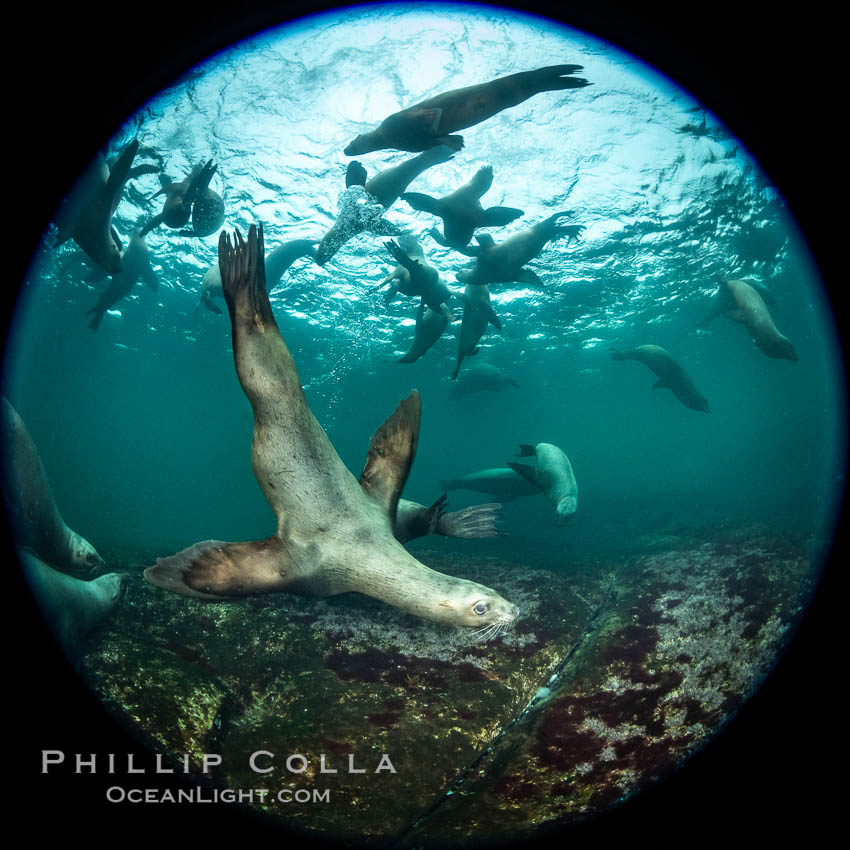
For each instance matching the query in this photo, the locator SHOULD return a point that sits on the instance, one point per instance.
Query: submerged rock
(612, 675)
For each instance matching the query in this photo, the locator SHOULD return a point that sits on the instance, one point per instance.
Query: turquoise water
(152, 442)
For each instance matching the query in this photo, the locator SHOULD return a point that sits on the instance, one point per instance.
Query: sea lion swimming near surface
(553, 474)
(71, 607)
(722, 301)
(432, 121)
(180, 199)
(480, 378)
(503, 262)
(671, 374)
(334, 534)
(477, 314)
(34, 519)
(429, 328)
(135, 264)
(461, 211)
(277, 262)
(750, 310)
(86, 215)
(364, 201)
(414, 520)
(422, 279)
(502, 483)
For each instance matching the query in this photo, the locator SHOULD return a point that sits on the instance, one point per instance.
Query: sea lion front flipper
(355, 174)
(440, 239)
(500, 216)
(529, 473)
(473, 522)
(144, 168)
(453, 142)
(422, 202)
(391, 452)
(485, 240)
(213, 569)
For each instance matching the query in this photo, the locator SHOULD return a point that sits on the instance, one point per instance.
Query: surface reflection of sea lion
(502, 483)
(422, 279)
(461, 211)
(278, 261)
(135, 264)
(671, 374)
(34, 518)
(482, 377)
(431, 122)
(334, 534)
(414, 520)
(87, 214)
(71, 607)
(180, 198)
(750, 310)
(503, 262)
(364, 202)
(722, 301)
(553, 474)
(477, 313)
(429, 328)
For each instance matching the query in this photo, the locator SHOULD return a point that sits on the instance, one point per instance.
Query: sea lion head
(364, 143)
(565, 510)
(85, 555)
(779, 347)
(107, 589)
(475, 606)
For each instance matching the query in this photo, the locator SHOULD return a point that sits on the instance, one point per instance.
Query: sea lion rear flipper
(529, 473)
(526, 450)
(499, 216)
(391, 452)
(422, 202)
(529, 277)
(213, 569)
(355, 174)
(472, 522)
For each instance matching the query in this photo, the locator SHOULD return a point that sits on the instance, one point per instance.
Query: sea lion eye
(480, 608)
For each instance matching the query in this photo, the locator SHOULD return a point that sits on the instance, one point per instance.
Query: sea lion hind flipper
(243, 274)
(477, 521)
(499, 216)
(214, 569)
(529, 473)
(391, 452)
(490, 313)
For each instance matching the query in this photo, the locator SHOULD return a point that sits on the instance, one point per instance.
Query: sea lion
(364, 202)
(278, 261)
(671, 374)
(502, 483)
(422, 280)
(181, 196)
(431, 122)
(461, 211)
(71, 607)
(477, 313)
(86, 216)
(751, 311)
(414, 520)
(429, 328)
(503, 262)
(334, 534)
(398, 280)
(553, 474)
(480, 378)
(34, 519)
(135, 264)
(722, 301)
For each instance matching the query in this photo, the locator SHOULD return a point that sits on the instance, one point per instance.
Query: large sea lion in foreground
(34, 518)
(432, 121)
(553, 474)
(503, 262)
(429, 328)
(461, 211)
(278, 261)
(482, 377)
(135, 264)
(334, 534)
(477, 313)
(414, 520)
(750, 309)
(86, 215)
(671, 374)
(502, 483)
(71, 607)
(364, 201)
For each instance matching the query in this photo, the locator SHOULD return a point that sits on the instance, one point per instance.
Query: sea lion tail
(476, 521)
(557, 77)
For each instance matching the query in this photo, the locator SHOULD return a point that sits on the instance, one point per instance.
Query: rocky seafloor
(615, 671)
